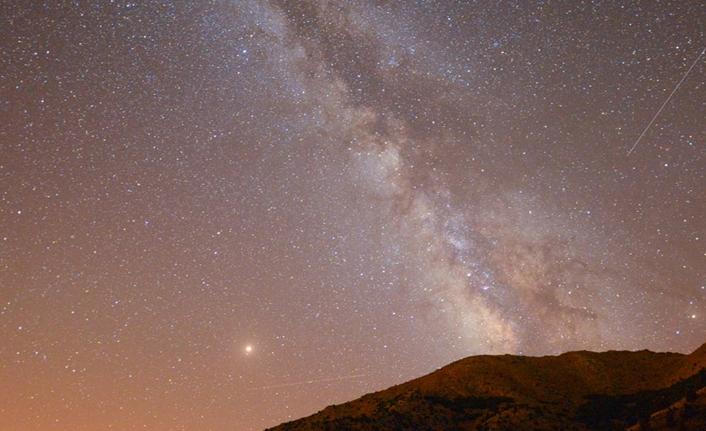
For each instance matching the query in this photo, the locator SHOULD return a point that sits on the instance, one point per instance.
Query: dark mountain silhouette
(574, 391)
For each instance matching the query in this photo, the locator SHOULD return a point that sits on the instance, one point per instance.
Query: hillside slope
(574, 391)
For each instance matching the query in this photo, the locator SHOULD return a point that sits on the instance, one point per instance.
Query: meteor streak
(306, 382)
(667, 101)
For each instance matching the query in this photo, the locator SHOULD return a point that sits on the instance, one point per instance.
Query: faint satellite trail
(667, 101)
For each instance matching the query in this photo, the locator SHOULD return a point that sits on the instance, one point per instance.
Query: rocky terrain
(614, 390)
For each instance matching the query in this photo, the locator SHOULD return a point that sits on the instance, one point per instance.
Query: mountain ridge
(579, 390)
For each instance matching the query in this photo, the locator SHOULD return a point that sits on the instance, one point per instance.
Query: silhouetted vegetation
(602, 410)
(461, 404)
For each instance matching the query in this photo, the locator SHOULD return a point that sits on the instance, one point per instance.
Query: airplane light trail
(306, 382)
(667, 101)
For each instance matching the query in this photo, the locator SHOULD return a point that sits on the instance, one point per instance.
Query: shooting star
(306, 382)
(667, 101)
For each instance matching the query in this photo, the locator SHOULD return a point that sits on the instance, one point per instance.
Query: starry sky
(223, 215)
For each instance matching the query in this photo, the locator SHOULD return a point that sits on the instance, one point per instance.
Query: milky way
(226, 215)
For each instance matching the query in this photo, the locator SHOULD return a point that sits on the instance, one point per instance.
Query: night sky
(223, 215)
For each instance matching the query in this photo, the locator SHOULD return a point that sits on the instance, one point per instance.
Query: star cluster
(225, 215)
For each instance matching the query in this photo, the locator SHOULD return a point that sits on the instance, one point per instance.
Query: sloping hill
(573, 391)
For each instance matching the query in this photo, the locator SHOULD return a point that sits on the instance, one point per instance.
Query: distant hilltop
(615, 390)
